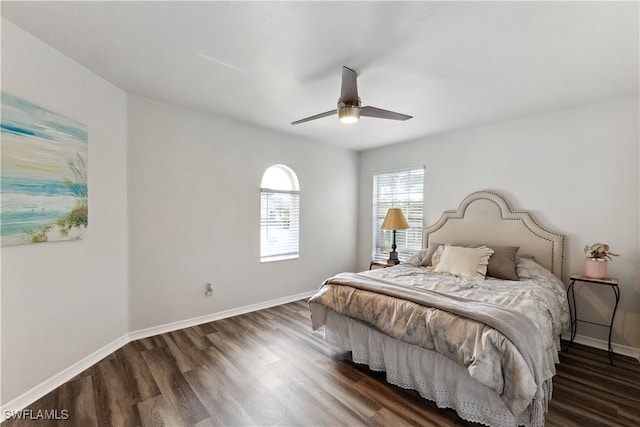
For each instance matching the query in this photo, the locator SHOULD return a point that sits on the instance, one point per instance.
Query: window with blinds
(402, 189)
(279, 214)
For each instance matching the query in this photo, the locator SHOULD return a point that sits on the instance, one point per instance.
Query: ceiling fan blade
(317, 116)
(379, 113)
(349, 91)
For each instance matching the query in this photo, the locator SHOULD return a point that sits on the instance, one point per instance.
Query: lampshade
(395, 220)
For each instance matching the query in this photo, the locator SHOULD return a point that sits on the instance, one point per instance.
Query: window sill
(279, 258)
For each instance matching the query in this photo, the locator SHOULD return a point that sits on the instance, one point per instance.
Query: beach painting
(43, 180)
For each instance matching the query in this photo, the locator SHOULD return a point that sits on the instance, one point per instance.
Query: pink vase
(596, 268)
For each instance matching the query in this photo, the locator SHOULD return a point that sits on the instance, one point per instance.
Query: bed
(483, 346)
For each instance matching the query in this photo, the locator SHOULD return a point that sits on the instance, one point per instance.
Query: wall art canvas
(44, 193)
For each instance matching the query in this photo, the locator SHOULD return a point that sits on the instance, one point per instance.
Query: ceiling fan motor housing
(349, 109)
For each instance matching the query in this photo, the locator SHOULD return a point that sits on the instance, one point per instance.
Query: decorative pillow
(433, 247)
(435, 258)
(466, 262)
(422, 258)
(417, 259)
(502, 264)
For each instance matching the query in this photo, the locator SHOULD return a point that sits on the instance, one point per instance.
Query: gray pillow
(502, 264)
(422, 258)
(417, 259)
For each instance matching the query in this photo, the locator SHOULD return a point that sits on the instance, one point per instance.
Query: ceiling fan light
(347, 120)
(348, 114)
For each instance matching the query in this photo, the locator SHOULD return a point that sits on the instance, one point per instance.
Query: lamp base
(393, 258)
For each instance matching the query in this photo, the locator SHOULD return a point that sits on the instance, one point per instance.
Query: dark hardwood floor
(268, 368)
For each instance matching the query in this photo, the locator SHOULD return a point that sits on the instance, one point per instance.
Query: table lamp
(394, 220)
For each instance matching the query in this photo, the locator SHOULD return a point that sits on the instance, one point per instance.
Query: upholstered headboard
(486, 217)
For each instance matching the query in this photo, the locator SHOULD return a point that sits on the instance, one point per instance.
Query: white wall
(195, 211)
(576, 169)
(62, 301)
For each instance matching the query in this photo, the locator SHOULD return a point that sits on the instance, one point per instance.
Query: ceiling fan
(349, 106)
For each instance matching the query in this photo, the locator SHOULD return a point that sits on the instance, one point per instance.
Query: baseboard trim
(27, 398)
(603, 345)
(62, 377)
(187, 323)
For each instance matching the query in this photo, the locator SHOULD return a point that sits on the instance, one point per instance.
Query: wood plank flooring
(269, 368)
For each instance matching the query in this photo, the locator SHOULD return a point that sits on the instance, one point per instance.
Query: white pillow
(466, 262)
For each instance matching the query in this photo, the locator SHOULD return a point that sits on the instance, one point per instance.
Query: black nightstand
(571, 296)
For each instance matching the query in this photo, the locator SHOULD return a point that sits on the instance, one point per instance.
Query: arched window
(279, 214)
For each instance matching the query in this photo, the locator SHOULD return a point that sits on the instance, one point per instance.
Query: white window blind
(399, 189)
(279, 214)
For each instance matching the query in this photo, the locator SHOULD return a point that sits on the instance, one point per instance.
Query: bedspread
(477, 323)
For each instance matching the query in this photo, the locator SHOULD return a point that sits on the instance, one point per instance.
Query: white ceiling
(451, 65)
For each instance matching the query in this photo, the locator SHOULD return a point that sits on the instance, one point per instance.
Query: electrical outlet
(209, 290)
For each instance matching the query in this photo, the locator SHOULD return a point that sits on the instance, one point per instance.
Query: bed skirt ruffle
(447, 384)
